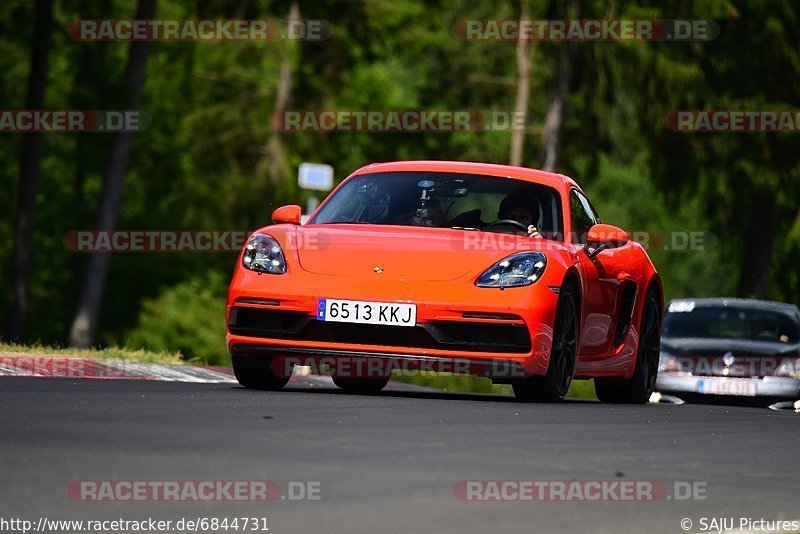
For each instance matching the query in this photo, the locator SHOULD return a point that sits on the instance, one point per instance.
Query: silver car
(730, 347)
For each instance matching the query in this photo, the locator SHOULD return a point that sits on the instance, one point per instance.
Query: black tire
(638, 388)
(553, 386)
(255, 372)
(361, 385)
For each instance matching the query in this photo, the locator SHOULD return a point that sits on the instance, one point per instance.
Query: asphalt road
(386, 463)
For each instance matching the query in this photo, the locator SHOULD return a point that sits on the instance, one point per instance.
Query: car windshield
(445, 200)
(684, 319)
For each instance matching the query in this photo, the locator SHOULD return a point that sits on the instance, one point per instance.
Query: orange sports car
(498, 271)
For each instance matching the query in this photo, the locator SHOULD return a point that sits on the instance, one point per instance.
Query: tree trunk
(554, 121)
(276, 162)
(21, 257)
(85, 323)
(523, 91)
(759, 244)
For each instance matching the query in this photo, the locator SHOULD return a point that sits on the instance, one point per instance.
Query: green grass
(110, 353)
(580, 389)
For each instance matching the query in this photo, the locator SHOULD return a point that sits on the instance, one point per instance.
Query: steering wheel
(507, 222)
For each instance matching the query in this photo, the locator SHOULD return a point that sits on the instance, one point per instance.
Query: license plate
(357, 311)
(734, 387)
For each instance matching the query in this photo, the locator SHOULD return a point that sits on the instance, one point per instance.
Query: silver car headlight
(521, 269)
(667, 362)
(789, 367)
(264, 255)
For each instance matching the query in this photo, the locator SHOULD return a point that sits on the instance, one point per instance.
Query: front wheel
(638, 388)
(255, 372)
(553, 386)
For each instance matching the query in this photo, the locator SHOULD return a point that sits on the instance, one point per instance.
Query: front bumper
(509, 329)
(777, 387)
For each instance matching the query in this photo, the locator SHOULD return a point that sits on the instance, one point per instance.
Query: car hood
(401, 252)
(720, 347)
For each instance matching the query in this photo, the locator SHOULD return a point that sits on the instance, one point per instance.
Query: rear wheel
(553, 386)
(638, 388)
(361, 385)
(255, 372)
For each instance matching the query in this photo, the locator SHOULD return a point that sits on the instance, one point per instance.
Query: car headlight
(668, 363)
(521, 269)
(264, 255)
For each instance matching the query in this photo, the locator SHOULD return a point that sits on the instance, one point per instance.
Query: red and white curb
(28, 365)
(63, 367)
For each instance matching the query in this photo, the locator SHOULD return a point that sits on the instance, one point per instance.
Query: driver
(522, 208)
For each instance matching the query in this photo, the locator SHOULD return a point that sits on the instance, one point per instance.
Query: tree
(276, 160)
(22, 256)
(85, 323)
(747, 181)
(523, 90)
(554, 120)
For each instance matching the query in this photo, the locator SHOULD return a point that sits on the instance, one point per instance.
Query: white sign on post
(315, 176)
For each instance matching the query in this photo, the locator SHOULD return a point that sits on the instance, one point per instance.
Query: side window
(582, 215)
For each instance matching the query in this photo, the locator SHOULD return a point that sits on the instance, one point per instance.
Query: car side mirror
(603, 236)
(287, 214)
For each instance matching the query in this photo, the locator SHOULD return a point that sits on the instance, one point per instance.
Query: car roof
(743, 303)
(552, 179)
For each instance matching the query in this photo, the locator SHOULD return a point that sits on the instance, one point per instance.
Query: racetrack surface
(389, 462)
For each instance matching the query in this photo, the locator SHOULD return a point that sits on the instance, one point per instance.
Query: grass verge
(110, 353)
